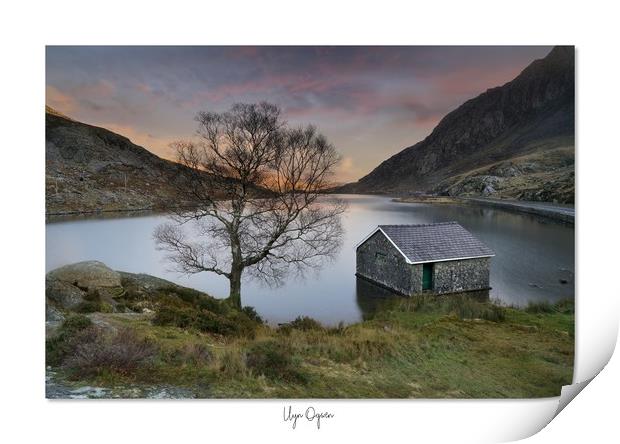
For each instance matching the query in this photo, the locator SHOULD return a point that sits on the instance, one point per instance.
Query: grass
(431, 347)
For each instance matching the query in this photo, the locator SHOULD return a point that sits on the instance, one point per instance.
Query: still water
(532, 256)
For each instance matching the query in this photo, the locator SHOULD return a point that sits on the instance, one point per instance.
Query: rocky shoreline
(58, 388)
(92, 288)
(564, 214)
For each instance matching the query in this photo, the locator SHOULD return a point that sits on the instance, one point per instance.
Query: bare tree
(252, 195)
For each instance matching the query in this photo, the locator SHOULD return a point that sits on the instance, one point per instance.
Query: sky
(370, 102)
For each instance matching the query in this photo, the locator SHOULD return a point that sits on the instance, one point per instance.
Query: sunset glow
(370, 102)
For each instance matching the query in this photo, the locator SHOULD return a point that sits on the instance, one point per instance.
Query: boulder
(53, 319)
(63, 294)
(488, 190)
(53, 315)
(86, 275)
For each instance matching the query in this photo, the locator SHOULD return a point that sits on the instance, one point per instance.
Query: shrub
(539, 307)
(236, 324)
(566, 306)
(284, 329)
(93, 296)
(489, 312)
(96, 352)
(90, 304)
(250, 312)
(198, 354)
(87, 307)
(172, 315)
(195, 354)
(61, 344)
(138, 307)
(243, 325)
(469, 308)
(305, 323)
(213, 305)
(75, 323)
(174, 312)
(132, 293)
(275, 361)
(232, 364)
(210, 322)
(185, 294)
(338, 330)
(494, 313)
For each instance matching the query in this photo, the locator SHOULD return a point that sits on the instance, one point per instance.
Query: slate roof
(435, 242)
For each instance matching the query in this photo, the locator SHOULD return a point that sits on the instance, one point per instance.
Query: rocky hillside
(516, 141)
(91, 169)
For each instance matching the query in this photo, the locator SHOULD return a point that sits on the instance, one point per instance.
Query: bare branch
(253, 193)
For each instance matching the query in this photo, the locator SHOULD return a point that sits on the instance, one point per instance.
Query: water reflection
(534, 257)
(372, 297)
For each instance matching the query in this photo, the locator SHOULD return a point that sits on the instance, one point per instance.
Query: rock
(53, 319)
(63, 294)
(86, 275)
(53, 315)
(103, 322)
(488, 190)
(88, 392)
(90, 168)
(145, 281)
(532, 113)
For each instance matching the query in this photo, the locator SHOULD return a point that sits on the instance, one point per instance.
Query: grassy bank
(410, 348)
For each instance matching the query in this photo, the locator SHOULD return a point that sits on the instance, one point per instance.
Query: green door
(427, 276)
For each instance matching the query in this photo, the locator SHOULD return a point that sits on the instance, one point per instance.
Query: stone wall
(379, 261)
(461, 275)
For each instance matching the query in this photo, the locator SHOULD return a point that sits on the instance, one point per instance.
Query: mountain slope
(90, 169)
(532, 114)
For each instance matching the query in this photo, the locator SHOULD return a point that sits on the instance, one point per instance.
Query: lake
(532, 256)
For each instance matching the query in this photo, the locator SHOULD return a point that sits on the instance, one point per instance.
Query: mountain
(515, 141)
(91, 169)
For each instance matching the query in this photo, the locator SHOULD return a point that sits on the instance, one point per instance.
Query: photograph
(309, 222)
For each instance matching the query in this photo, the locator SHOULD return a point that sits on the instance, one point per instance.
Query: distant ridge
(516, 141)
(52, 111)
(89, 168)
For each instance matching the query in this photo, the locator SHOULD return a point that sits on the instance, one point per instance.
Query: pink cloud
(156, 145)
(99, 89)
(59, 101)
(144, 88)
(473, 80)
(348, 171)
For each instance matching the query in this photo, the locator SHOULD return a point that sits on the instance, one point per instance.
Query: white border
(28, 417)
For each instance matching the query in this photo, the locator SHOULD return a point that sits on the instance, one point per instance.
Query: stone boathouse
(436, 258)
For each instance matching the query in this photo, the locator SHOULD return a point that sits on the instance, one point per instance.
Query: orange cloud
(348, 171)
(156, 145)
(100, 89)
(59, 100)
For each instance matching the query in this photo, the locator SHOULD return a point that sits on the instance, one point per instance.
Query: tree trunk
(234, 297)
(236, 268)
